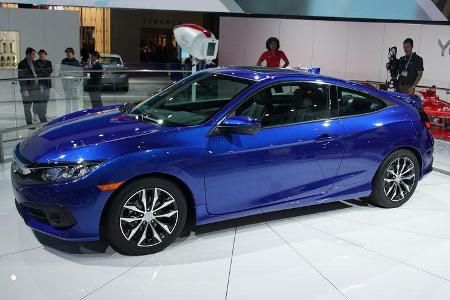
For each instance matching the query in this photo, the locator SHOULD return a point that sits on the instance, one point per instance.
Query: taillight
(424, 118)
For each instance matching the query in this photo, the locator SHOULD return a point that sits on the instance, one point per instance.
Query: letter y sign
(443, 47)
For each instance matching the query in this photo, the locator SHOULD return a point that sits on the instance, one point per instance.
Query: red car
(438, 111)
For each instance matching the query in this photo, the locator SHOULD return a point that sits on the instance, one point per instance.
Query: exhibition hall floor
(345, 250)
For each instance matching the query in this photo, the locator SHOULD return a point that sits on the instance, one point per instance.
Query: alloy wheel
(399, 178)
(148, 217)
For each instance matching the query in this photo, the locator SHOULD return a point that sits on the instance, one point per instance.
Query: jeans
(95, 94)
(40, 106)
(404, 88)
(70, 87)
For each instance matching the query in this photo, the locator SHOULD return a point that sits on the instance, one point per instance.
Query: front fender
(187, 165)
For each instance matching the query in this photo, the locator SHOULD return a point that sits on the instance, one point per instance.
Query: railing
(14, 129)
(70, 93)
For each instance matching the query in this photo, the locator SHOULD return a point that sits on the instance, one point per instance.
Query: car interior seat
(260, 107)
(300, 103)
(319, 109)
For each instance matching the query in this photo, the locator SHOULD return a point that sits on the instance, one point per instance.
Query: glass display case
(9, 49)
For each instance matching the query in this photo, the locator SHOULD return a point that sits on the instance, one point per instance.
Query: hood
(112, 67)
(96, 134)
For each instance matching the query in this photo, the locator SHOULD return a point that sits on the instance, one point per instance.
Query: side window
(356, 103)
(287, 104)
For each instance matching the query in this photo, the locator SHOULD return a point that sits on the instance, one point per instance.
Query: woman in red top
(273, 55)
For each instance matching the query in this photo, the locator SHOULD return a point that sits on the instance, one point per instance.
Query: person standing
(411, 69)
(28, 87)
(273, 55)
(44, 69)
(70, 67)
(175, 65)
(94, 84)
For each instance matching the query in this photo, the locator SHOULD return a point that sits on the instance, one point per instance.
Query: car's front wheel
(145, 216)
(396, 179)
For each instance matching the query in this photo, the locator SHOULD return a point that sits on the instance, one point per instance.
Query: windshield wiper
(127, 109)
(143, 117)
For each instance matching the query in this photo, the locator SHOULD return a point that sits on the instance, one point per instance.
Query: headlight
(70, 172)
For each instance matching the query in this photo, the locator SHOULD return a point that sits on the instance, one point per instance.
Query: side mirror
(239, 125)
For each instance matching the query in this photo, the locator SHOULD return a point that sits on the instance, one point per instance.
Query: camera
(393, 67)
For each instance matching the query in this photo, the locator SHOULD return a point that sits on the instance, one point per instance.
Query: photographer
(411, 69)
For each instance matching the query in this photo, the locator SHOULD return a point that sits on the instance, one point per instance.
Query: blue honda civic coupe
(220, 144)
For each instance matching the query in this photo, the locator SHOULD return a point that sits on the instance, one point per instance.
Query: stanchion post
(2, 151)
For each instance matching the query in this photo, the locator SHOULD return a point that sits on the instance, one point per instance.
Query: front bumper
(67, 210)
(55, 215)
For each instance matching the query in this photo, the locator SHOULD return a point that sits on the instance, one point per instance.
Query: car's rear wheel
(145, 216)
(396, 179)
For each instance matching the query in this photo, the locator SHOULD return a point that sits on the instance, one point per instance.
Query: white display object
(200, 43)
(9, 49)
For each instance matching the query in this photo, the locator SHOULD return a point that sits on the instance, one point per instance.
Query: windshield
(109, 60)
(191, 101)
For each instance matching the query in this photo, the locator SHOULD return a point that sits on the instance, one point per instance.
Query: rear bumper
(427, 157)
(112, 83)
(115, 82)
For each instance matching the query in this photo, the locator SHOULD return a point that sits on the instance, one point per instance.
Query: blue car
(220, 144)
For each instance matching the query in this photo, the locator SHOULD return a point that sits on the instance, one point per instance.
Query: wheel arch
(416, 154)
(180, 183)
(409, 148)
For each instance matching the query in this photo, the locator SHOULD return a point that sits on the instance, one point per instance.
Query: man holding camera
(411, 69)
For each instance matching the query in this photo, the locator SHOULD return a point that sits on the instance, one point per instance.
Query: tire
(396, 180)
(130, 231)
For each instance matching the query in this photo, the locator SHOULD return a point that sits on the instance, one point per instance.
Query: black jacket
(70, 67)
(71, 62)
(44, 69)
(95, 78)
(24, 71)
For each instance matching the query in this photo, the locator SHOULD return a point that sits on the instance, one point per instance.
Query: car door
(295, 155)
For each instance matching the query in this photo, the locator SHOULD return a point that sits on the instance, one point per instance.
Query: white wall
(351, 50)
(53, 31)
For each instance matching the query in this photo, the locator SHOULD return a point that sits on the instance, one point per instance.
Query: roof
(262, 73)
(259, 73)
(109, 55)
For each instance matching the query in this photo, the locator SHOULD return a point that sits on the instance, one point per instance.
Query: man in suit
(94, 83)
(29, 86)
(43, 69)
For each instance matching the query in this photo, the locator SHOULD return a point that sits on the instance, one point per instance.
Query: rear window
(353, 103)
(108, 60)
